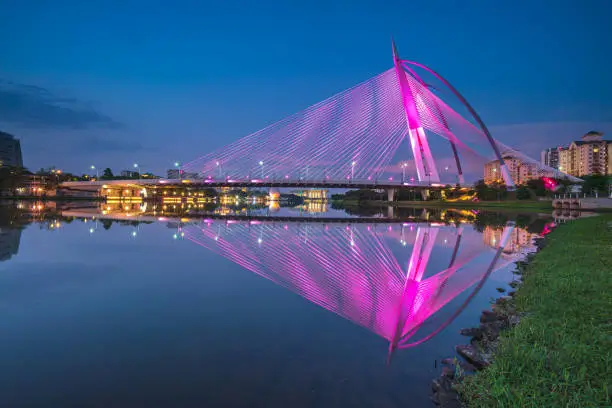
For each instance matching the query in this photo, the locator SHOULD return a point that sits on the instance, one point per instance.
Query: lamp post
(261, 163)
(96, 169)
(403, 165)
(353, 169)
(137, 170)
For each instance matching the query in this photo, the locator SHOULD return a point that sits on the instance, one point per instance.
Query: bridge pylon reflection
(389, 279)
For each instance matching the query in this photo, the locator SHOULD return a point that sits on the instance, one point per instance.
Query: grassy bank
(560, 354)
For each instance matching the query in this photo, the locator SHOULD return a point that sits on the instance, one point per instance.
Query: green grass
(560, 354)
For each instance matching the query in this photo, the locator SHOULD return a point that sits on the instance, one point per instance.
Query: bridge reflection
(389, 279)
(404, 281)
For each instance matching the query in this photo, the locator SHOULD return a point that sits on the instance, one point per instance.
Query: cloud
(31, 106)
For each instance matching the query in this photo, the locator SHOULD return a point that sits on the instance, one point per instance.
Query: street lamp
(261, 163)
(94, 168)
(137, 170)
(403, 171)
(178, 166)
(353, 169)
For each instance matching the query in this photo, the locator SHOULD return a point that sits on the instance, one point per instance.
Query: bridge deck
(160, 183)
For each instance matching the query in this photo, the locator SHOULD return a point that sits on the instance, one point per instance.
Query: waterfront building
(10, 151)
(550, 157)
(129, 174)
(175, 174)
(589, 155)
(520, 171)
(312, 194)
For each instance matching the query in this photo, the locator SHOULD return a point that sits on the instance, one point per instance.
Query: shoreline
(548, 343)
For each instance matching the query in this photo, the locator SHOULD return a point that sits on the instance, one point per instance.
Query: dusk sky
(113, 83)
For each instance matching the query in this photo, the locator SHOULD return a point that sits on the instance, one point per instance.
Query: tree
(595, 183)
(537, 186)
(108, 174)
(523, 193)
(448, 191)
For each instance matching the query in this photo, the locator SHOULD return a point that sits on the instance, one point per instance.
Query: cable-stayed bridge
(355, 138)
(399, 129)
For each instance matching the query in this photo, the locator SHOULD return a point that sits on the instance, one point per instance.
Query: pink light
(369, 177)
(162, 219)
(391, 178)
(287, 176)
(254, 222)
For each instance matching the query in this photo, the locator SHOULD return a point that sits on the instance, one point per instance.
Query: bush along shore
(549, 343)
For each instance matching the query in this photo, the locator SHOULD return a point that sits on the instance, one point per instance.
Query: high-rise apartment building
(590, 155)
(10, 151)
(550, 157)
(519, 170)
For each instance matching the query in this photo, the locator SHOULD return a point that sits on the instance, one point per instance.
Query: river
(128, 307)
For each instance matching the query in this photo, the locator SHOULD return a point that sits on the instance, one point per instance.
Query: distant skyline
(85, 83)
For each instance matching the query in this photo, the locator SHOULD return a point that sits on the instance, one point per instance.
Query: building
(550, 157)
(312, 194)
(175, 174)
(589, 155)
(10, 151)
(520, 171)
(129, 174)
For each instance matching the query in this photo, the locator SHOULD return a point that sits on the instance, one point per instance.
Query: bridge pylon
(423, 159)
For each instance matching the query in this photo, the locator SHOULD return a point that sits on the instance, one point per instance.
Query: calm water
(128, 309)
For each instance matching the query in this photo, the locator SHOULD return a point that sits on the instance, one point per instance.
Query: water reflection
(381, 277)
(132, 304)
(389, 278)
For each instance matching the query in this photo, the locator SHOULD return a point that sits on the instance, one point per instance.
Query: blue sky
(116, 82)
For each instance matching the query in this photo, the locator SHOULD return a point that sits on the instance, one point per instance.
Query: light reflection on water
(129, 308)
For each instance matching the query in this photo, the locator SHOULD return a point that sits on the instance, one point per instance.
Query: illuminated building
(550, 157)
(590, 155)
(274, 194)
(520, 171)
(313, 194)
